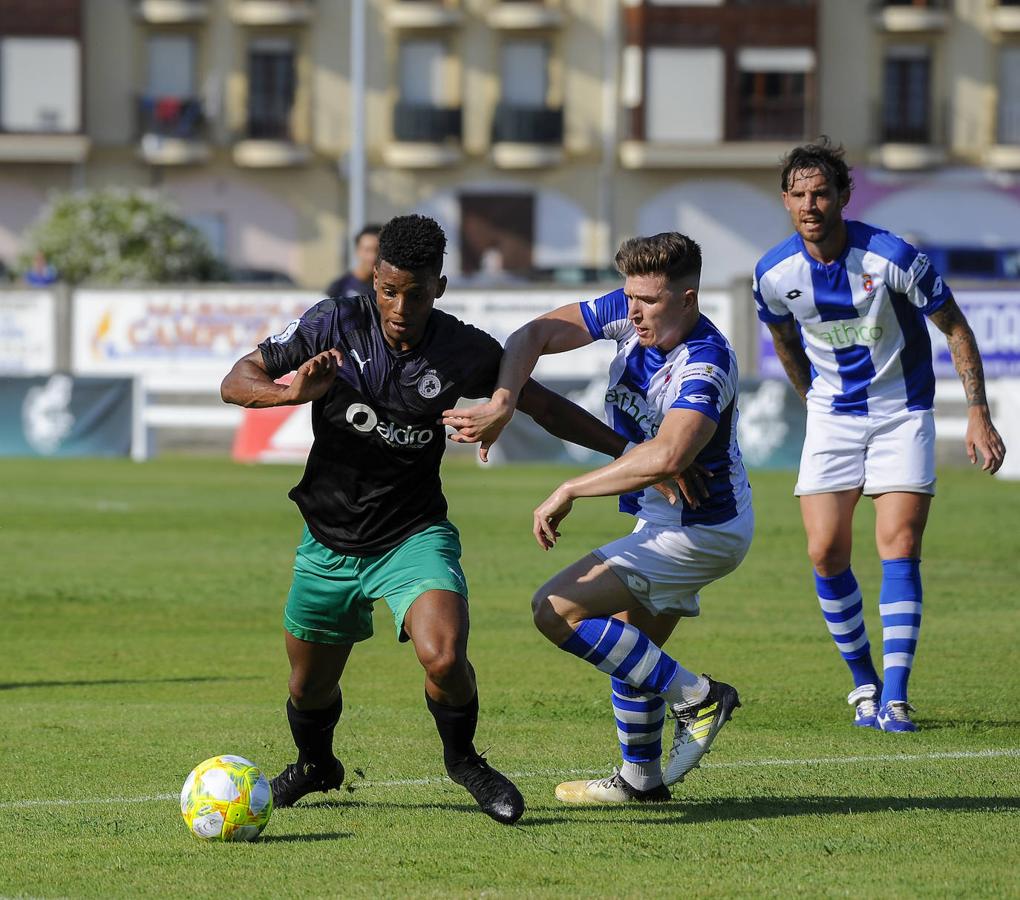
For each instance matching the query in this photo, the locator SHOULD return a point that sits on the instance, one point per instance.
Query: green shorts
(331, 596)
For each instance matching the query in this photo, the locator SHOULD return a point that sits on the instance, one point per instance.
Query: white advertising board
(28, 332)
(184, 340)
(187, 339)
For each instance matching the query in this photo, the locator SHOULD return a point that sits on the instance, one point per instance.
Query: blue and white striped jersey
(861, 319)
(645, 383)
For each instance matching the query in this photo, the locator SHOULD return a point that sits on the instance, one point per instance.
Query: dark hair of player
(367, 230)
(413, 243)
(823, 156)
(671, 254)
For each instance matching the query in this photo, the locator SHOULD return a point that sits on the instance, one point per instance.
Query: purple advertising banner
(993, 314)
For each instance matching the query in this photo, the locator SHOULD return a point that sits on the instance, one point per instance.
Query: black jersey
(372, 476)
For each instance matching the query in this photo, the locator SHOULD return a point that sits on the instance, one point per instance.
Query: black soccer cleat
(296, 781)
(495, 794)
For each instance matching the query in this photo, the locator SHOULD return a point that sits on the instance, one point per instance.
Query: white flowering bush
(119, 236)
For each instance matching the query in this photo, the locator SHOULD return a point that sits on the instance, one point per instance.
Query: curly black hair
(413, 243)
(823, 156)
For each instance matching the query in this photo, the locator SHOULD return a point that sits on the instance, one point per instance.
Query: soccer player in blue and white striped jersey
(846, 304)
(673, 394)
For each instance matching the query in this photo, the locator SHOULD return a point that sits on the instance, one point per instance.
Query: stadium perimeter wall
(179, 342)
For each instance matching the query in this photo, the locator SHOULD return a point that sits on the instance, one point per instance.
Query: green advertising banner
(63, 415)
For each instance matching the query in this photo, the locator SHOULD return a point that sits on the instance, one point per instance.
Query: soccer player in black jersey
(379, 373)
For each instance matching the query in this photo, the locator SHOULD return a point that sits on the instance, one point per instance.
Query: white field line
(417, 782)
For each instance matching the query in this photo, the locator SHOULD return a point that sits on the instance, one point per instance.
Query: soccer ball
(226, 798)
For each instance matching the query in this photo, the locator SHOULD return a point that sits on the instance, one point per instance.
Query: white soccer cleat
(609, 790)
(864, 700)
(696, 728)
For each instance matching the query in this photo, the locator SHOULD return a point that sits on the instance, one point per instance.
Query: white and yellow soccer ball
(226, 798)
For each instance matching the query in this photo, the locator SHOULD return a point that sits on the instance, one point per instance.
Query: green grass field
(141, 634)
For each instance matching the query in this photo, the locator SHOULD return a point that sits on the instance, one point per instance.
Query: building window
(421, 72)
(906, 110)
(40, 85)
(271, 85)
(424, 113)
(684, 95)
(773, 93)
(1009, 95)
(524, 70)
(497, 234)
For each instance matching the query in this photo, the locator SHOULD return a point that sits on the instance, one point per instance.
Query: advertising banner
(176, 340)
(28, 332)
(187, 340)
(60, 415)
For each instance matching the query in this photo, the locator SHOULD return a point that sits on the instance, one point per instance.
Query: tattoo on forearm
(964, 350)
(967, 360)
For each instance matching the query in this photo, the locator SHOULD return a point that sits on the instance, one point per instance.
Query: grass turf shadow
(99, 682)
(304, 838)
(692, 812)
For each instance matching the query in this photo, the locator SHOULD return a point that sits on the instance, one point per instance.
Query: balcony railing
(171, 117)
(269, 117)
(761, 119)
(527, 125)
(418, 123)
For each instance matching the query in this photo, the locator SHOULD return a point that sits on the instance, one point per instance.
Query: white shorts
(665, 566)
(877, 454)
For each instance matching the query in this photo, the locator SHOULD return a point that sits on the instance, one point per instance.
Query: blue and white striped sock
(840, 599)
(621, 650)
(900, 606)
(639, 721)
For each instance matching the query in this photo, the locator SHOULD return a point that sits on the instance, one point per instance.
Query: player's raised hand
(479, 424)
(315, 377)
(984, 439)
(548, 516)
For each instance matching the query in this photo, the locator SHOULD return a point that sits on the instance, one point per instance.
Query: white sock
(686, 689)
(642, 775)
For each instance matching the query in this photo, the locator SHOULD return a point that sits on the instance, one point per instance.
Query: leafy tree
(119, 236)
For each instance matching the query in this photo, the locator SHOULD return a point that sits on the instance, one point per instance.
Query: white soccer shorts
(875, 453)
(665, 566)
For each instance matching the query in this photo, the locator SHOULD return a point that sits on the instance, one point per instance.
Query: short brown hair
(671, 254)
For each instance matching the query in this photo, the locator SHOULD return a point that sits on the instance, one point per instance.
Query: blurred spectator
(41, 273)
(358, 281)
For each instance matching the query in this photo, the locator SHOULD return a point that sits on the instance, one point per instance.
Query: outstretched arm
(555, 332)
(248, 383)
(682, 435)
(791, 354)
(981, 433)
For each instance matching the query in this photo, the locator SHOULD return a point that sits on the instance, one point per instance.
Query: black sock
(456, 726)
(313, 732)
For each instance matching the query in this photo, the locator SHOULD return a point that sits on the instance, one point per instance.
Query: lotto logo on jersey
(364, 419)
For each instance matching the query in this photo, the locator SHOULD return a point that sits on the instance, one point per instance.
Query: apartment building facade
(538, 132)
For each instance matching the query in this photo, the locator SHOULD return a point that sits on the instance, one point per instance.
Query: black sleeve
(316, 331)
(485, 354)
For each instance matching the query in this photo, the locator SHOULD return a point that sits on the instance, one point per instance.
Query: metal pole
(356, 157)
(610, 131)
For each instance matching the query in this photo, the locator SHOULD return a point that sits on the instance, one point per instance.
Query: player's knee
(306, 693)
(899, 543)
(828, 558)
(546, 619)
(443, 664)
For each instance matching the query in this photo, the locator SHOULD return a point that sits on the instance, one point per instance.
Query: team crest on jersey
(286, 334)
(429, 385)
(868, 283)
